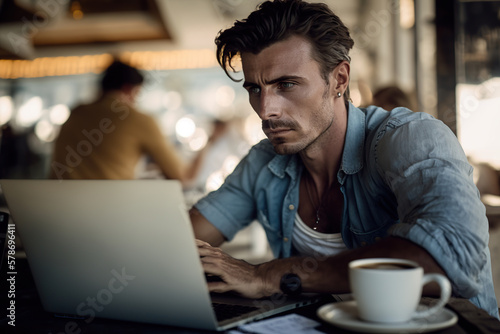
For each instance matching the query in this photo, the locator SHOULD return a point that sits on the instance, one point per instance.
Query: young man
(334, 183)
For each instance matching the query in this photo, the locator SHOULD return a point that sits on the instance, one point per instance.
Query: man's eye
(286, 85)
(254, 90)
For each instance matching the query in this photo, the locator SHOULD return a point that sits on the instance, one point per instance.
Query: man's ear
(341, 75)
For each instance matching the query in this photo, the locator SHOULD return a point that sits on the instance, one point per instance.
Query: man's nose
(269, 105)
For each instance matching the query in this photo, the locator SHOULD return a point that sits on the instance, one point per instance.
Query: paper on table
(290, 324)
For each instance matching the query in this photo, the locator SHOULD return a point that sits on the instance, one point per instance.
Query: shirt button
(285, 239)
(291, 207)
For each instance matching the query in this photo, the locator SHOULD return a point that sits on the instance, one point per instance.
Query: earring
(339, 94)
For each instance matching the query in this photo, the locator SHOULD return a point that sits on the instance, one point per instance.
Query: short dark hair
(275, 21)
(119, 74)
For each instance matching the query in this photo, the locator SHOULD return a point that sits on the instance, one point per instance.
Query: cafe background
(445, 54)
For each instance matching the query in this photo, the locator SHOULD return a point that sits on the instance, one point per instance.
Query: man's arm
(204, 230)
(320, 274)
(439, 207)
(161, 151)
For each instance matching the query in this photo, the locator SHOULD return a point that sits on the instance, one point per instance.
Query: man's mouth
(276, 126)
(276, 131)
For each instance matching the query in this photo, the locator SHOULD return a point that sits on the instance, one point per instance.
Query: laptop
(121, 250)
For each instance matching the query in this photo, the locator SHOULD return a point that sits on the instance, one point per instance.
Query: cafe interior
(443, 54)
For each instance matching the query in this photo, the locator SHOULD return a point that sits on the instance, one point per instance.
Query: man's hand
(236, 275)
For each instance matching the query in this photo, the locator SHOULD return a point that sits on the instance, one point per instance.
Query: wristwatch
(290, 284)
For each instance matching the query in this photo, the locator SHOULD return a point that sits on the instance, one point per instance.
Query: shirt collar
(282, 164)
(354, 146)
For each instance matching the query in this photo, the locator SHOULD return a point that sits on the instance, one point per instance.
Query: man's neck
(322, 160)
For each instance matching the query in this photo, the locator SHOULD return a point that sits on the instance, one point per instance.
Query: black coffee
(388, 265)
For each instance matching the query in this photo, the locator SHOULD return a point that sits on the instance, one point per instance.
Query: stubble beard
(281, 147)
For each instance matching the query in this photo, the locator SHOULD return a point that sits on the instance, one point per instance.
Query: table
(30, 317)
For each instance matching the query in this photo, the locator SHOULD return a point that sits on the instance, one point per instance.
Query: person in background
(488, 178)
(334, 183)
(106, 138)
(390, 97)
(228, 146)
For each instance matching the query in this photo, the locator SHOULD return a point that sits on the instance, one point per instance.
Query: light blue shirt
(402, 174)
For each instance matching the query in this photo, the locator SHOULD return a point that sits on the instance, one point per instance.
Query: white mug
(389, 290)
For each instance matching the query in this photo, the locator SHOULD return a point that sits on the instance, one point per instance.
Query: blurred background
(443, 54)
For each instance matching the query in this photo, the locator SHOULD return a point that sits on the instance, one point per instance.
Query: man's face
(289, 94)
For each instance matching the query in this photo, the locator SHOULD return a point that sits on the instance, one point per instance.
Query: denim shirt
(402, 174)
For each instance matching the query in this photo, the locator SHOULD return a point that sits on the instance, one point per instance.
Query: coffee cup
(389, 290)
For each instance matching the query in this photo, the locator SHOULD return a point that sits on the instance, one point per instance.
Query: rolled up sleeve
(232, 206)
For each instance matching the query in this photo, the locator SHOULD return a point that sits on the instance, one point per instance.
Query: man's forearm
(330, 274)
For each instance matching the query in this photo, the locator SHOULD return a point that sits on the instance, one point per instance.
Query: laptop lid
(118, 249)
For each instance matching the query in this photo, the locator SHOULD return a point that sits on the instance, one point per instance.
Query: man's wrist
(268, 279)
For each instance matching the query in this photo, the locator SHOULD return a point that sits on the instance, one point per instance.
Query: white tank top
(308, 242)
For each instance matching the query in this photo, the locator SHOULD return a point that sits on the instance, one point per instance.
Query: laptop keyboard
(228, 311)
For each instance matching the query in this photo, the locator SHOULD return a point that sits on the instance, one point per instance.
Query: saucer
(345, 315)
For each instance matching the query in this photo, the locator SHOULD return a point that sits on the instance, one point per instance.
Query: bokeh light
(185, 127)
(30, 112)
(59, 114)
(6, 109)
(45, 131)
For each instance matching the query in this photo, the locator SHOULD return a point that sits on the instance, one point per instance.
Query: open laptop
(122, 250)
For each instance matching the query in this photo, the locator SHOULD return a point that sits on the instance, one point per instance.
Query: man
(390, 97)
(106, 139)
(393, 184)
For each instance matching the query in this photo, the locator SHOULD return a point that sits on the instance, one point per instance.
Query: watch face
(290, 284)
